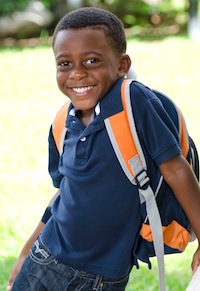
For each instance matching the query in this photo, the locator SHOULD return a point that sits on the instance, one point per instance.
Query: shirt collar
(73, 111)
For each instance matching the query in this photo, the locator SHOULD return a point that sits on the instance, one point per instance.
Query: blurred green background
(164, 58)
(32, 18)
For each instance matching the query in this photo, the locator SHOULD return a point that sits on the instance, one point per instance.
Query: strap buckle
(142, 180)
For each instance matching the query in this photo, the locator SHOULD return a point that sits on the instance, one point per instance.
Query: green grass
(29, 99)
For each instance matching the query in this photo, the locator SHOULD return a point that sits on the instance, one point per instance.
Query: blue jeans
(41, 272)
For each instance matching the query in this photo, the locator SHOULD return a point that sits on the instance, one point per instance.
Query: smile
(82, 89)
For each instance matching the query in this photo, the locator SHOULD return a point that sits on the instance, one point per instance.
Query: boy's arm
(23, 254)
(26, 248)
(179, 176)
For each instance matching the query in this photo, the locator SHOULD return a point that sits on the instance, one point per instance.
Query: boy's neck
(85, 117)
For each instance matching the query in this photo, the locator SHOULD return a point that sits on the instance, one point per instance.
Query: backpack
(159, 234)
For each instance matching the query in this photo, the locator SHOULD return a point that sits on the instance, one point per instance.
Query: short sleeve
(156, 130)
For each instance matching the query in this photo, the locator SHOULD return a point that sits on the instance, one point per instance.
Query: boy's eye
(92, 61)
(64, 64)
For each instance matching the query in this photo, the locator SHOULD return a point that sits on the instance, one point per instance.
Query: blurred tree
(63, 6)
(193, 23)
(146, 15)
(59, 8)
(27, 22)
(74, 4)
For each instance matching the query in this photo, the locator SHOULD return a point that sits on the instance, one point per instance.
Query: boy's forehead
(91, 35)
(90, 31)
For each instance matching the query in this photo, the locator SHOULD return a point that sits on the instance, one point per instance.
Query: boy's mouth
(81, 90)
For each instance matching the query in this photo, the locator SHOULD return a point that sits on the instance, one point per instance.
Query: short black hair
(95, 18)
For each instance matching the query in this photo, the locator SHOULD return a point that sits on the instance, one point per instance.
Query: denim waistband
(103, 278)
(41, 254)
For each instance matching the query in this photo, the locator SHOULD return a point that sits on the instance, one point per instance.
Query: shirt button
(83, 138)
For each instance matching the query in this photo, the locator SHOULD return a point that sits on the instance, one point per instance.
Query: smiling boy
(89, 239)
(87, 67)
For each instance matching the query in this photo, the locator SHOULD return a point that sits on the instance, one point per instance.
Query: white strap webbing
(151, 205)
(156, 228)
(149, 197)
(137, 164)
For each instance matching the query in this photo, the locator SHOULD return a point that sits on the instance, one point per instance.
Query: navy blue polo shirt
(96, 219)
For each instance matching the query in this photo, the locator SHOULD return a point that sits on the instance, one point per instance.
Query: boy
(89, 237)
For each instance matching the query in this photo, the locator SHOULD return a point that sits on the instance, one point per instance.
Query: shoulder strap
(183, 134)
(123, 135)
(124, 138)
(178, 119)
(194, 157)
(58, 127)
(189, 150)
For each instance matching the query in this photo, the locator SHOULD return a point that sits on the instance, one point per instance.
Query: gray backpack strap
(138, 175)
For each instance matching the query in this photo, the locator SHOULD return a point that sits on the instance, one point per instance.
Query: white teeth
(82, 89)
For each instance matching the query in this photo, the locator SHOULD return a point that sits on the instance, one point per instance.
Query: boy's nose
(78, 74)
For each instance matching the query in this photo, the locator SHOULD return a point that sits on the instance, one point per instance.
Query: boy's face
(87, 66)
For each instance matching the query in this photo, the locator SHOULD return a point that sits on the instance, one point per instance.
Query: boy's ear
(124, 65)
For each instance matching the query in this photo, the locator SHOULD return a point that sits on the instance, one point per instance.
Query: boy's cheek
(61, 85)
(61, 79)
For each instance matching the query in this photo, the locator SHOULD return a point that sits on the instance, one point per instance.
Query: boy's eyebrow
(85, 53)
(96, 52)
(62, 55)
